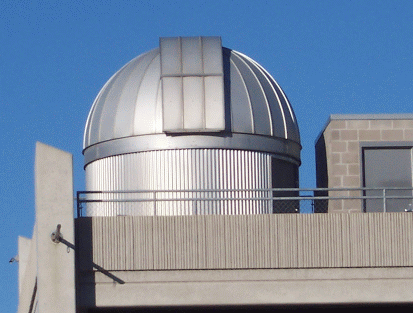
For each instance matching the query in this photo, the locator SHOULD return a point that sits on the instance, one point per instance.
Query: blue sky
(330, 57)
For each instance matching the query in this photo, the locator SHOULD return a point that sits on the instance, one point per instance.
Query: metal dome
(191, 93)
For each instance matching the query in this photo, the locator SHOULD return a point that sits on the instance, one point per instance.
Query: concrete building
(190, 150)
(371, 151)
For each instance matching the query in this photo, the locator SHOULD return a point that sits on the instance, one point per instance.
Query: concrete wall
(207, 260)
(47, 274)
(245, 242)
(27, 273)
(245, 260)
(338, 149)
(248, 287)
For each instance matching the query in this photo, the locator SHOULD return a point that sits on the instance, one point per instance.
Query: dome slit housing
(192, 84)
(190, 128)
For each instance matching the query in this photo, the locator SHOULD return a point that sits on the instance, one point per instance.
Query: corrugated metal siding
(188, 169)
(247, 241)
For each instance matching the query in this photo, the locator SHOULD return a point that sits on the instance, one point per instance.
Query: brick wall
(342, 139)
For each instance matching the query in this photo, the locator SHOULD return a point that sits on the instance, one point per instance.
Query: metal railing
(243, 201)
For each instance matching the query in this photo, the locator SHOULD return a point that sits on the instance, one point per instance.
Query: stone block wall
(338, 150)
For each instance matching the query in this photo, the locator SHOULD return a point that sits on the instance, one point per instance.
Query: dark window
(284, 175)
(387, 167)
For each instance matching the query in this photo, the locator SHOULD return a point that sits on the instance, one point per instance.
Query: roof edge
(385, 116)
(392, 116)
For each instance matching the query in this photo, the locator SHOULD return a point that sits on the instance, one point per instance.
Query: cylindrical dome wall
(211, 171)
(190, 116)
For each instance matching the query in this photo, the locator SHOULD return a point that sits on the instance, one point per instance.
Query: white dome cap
(191, 93)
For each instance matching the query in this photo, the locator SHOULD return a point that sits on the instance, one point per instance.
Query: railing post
(78, 205)
(154, 203)
(384, 200)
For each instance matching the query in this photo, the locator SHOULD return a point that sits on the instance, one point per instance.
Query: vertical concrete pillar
(24, 253)
(27, 273)
(54, 205)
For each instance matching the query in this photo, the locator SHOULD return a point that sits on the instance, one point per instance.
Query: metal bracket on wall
(57, 236)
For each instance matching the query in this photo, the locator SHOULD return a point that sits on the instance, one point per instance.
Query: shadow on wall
(256, 308)
(85, 293)
(321, 206)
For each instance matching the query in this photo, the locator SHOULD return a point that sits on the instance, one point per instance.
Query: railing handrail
(244, 189)
(241, 195)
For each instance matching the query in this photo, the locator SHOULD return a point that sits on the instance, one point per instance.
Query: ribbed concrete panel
(249, 241)
(287, 251)
(214, 241)
(189, 169)
(257, 237)
(360, 240)
(144, 239)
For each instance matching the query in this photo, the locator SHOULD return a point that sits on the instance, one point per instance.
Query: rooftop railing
(243, 201)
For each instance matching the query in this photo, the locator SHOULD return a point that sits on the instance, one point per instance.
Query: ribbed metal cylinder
(197, 170)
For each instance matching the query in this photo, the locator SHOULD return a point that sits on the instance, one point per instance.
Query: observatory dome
(192, 115)
(191, 93)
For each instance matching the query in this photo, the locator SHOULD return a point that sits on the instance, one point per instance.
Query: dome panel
(291, 126)
(241, 110)
(145, 106)
(126, 107)
(262, 123)
(108, 118)
(276, 111)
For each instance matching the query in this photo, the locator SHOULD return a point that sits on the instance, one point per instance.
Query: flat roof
(397, 116)
(394, 116)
